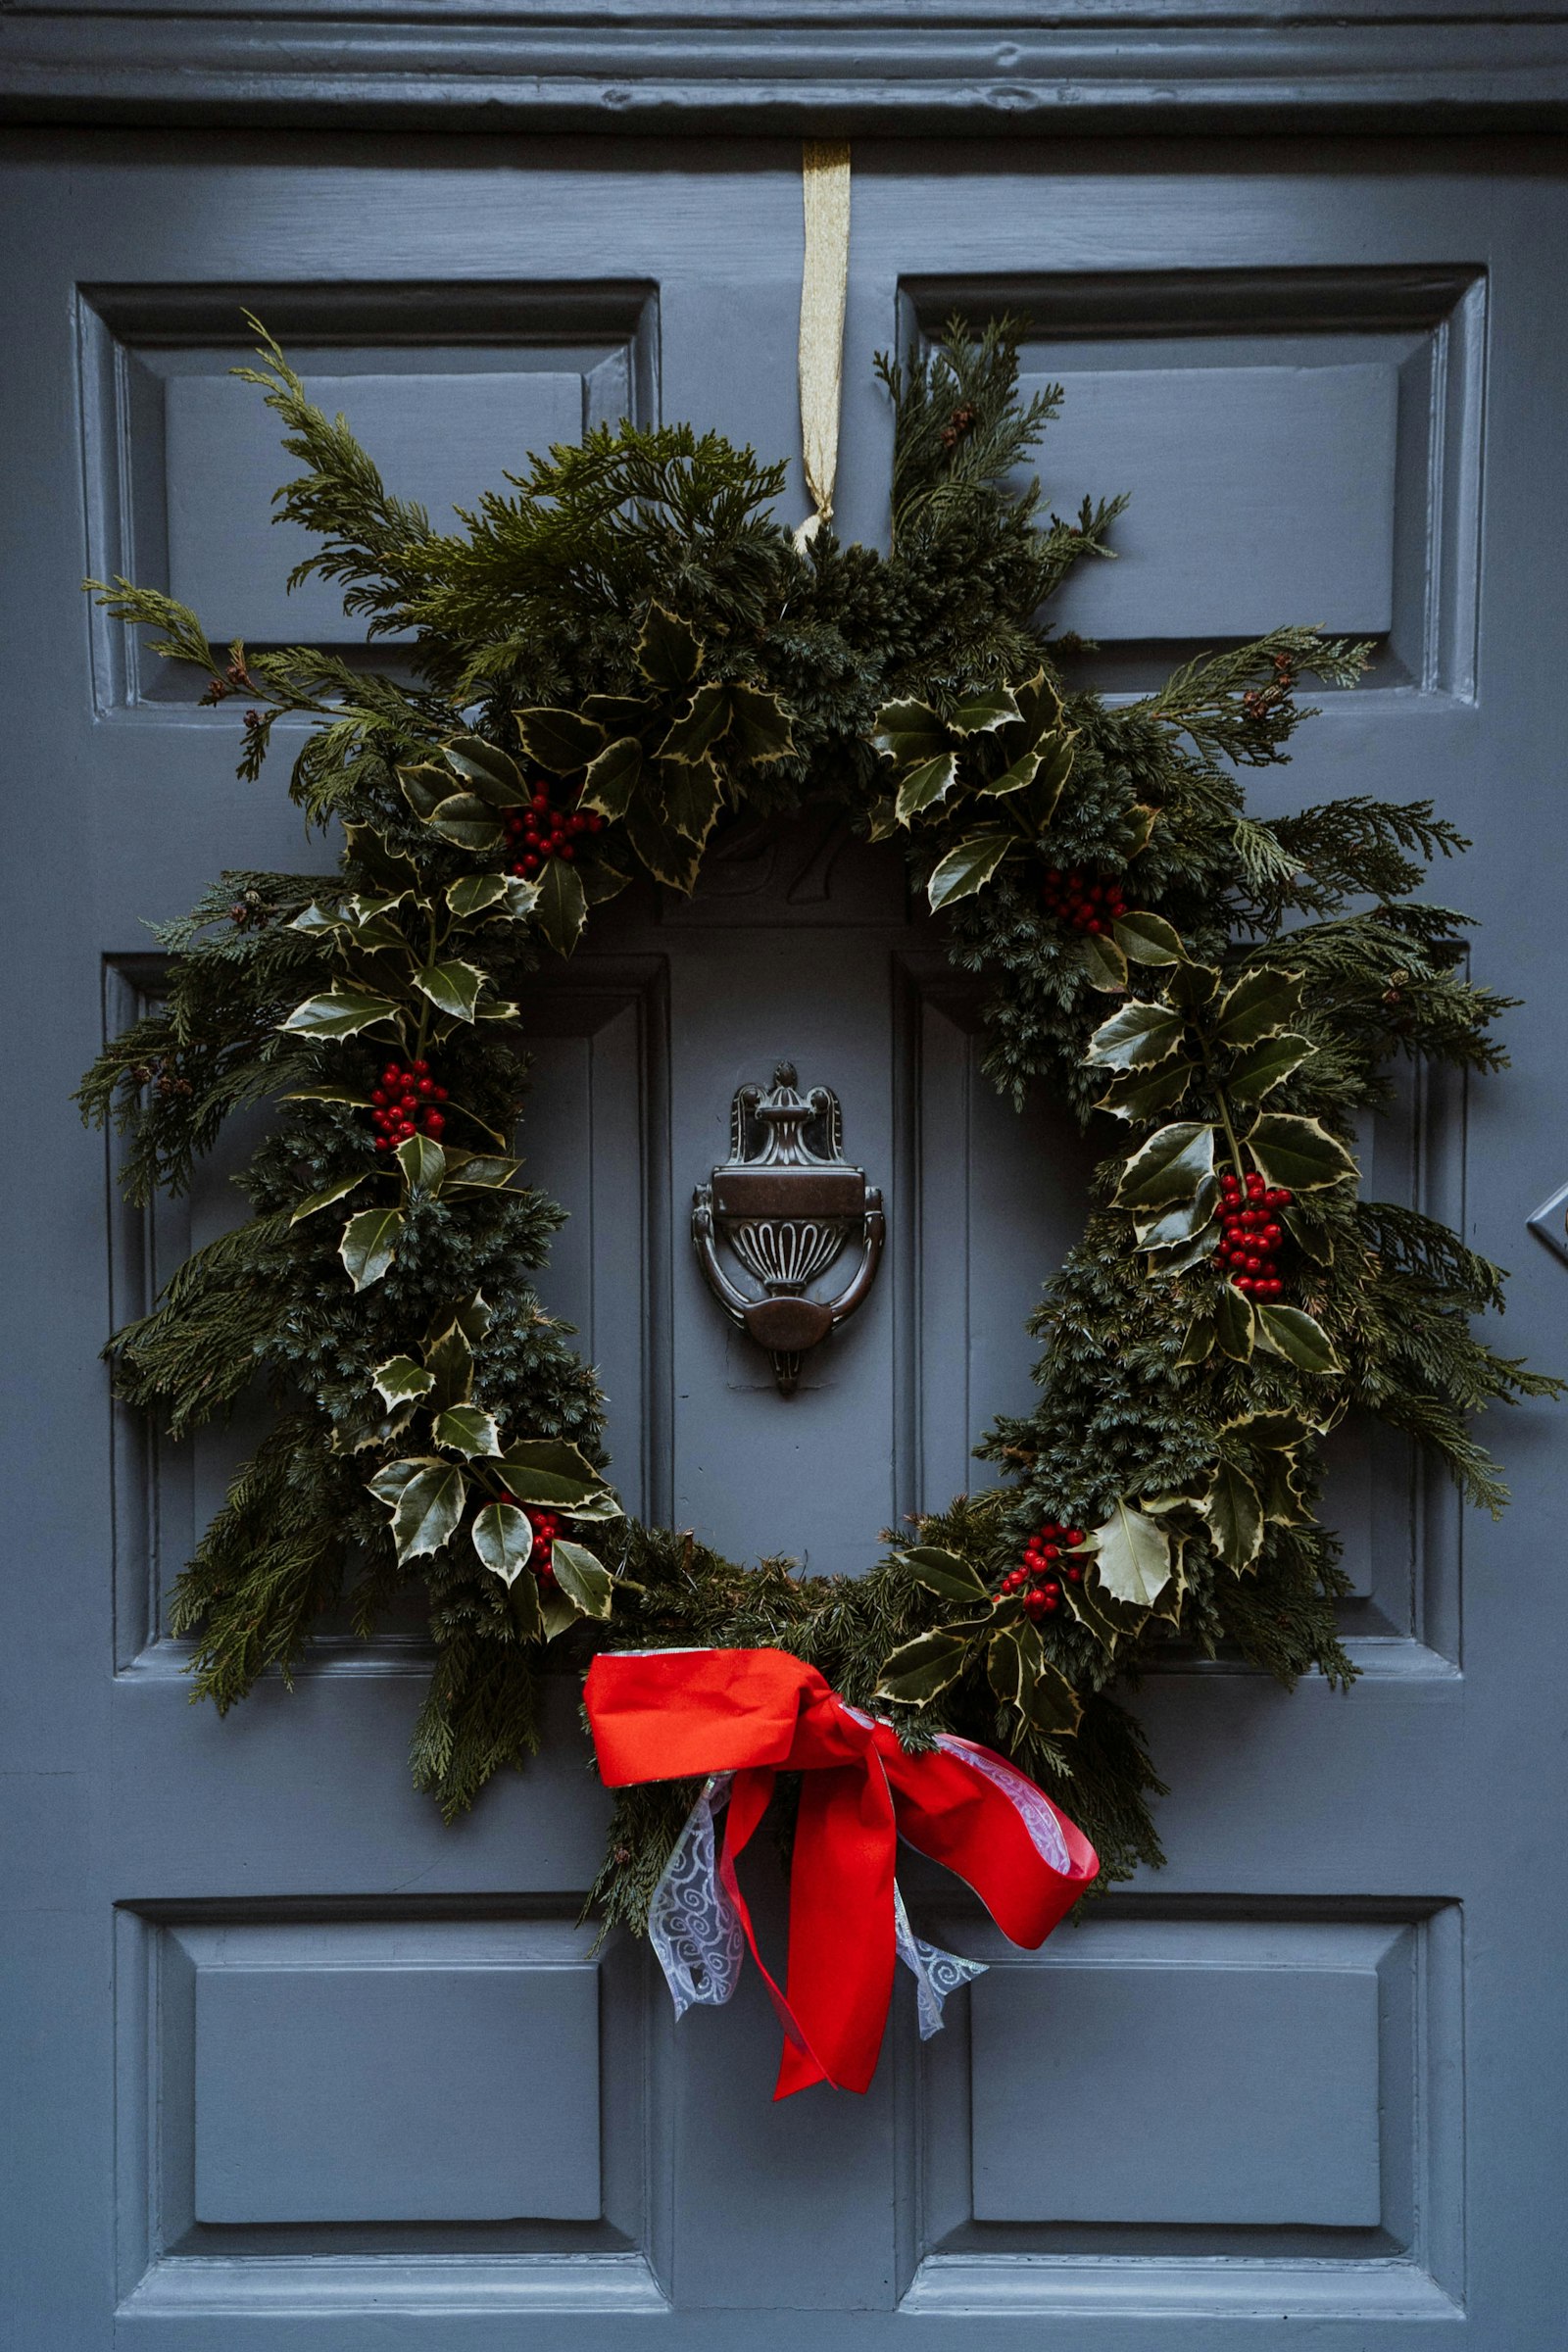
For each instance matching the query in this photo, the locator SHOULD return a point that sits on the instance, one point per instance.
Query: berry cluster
(1039, 1577)
(1088, 901)
(406, 1101)
(540, 831)
(1252, 1234)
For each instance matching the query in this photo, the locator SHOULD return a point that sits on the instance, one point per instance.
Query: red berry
(434, 1123)
(1075, 1535)
(1075, 1576)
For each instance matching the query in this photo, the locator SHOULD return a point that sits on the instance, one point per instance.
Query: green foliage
(628, 629)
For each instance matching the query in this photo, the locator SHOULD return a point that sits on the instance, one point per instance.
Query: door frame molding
(965, 66)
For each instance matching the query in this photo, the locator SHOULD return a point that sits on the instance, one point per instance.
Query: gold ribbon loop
(824, 285)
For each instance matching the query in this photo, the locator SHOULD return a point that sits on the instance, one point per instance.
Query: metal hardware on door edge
(786, 1201)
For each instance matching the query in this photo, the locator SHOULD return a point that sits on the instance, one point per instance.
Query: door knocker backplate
(786, 1204)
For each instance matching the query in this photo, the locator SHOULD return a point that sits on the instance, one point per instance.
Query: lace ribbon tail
(692, 1924)
(936, 1973)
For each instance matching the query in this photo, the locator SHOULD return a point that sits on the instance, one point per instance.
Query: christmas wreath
(609, 661)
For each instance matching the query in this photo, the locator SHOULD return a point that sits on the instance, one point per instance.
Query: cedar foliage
(545, 596)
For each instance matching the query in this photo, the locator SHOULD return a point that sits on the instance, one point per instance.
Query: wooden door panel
(1238, 2094)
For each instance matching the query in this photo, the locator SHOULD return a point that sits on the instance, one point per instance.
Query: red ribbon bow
(661, 1715)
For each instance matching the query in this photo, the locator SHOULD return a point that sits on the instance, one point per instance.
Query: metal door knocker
(786, 1201)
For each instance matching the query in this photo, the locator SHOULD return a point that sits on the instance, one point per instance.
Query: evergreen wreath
(610, 659)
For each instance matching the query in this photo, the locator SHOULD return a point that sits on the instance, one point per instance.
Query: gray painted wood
(963, 66)
(1353, 1955)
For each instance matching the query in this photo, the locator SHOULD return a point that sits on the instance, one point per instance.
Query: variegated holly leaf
(910, 732)
(1235, 1323)
(923, 786)
(1261, 1004)
(1256, 1072)
(612, 778)
(425, 1499)
(562, 741)
(984, 711)
(339, 1013)
(467, 1429)
(1105, 962)
(968, 869)
(1175, 1164)
(582, 1577)
(423, 1164)
(1296, 1335)
(1136, 1036)
(1144, 1094)
(401, 1381)
(1149, 939)
(669, 651)
(503, 1536)
(452, 987)
(330, 1193)
(476, 894)
(918, 1670)
(467, 821)
(562, 907)
(1300, 1153)
(946, 1574)
(1234, 1511)
(490, 773)
(1133, 1557)
(370, 1245)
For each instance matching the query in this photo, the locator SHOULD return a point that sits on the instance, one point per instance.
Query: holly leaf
(465, 820)
(401, 1381)
(484, 1172)
(1016, 778)
(1234, 1511)
(562, 741)
(983, 711)
(475, 894)
(1298, 1154)
(968, 869)
(1184, 1221)
(910, 732)
(1133, 1559)
(918, 1670)
(601, 881)
(467, 1429)
(1136, 1036)
(562, 908)
(551, 1453)
(692, 799)
(339, 1013)
(1105, 962)
(582, 1577)
(669, 654)
(1261, 1004)
(369, 1244)
(1049, 1705)
(612, 778)
(1149, 939)
(547, 1489)
(1296, 1335)
(329, 1092)
(490, 773)
(1234, 1326)
(760, 729)
(1056, 766)
(668, 858)
(332, 1192)
(692, 734)
(316, 919)
(1199, 1343)
(425, 1506)
(503, 1536)
(1267, 1064)
(425, 787)
(1144, 1094)
(923, 786)
(449, 1355)
(424, 1163)
(946, 1574)
(1172, 1165)
(452, 987)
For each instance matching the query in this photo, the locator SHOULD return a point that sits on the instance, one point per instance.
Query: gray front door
(292, 2063)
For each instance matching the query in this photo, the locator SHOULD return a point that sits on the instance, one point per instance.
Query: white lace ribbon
(692, 1924)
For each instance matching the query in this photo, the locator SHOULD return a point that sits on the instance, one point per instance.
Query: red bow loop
(660, 1715)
